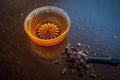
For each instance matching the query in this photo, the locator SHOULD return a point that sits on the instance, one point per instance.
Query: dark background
(93, 22)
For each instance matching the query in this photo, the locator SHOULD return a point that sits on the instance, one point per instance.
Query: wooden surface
(94, 22)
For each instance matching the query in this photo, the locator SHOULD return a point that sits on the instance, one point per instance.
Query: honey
(47, 26)
(47, 31)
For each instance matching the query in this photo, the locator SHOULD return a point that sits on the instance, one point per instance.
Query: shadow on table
(48, 52)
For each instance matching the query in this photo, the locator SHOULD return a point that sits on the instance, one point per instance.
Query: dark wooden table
(94, 22)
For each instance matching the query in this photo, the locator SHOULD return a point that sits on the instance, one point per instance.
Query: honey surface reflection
(48, 52)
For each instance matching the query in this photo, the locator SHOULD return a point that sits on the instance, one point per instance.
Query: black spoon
(114, 61)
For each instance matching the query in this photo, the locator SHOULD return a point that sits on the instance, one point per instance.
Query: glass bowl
(47, 26)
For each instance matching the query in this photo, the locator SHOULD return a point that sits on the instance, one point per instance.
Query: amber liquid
(47, 25)
(47, 30)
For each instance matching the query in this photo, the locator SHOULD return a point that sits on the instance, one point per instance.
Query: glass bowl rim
(45, 8)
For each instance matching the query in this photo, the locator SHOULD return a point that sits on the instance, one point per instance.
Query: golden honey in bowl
(47, 31)
(47, 25)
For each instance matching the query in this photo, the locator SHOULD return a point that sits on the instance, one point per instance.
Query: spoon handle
(115, 61)
(99, 59)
